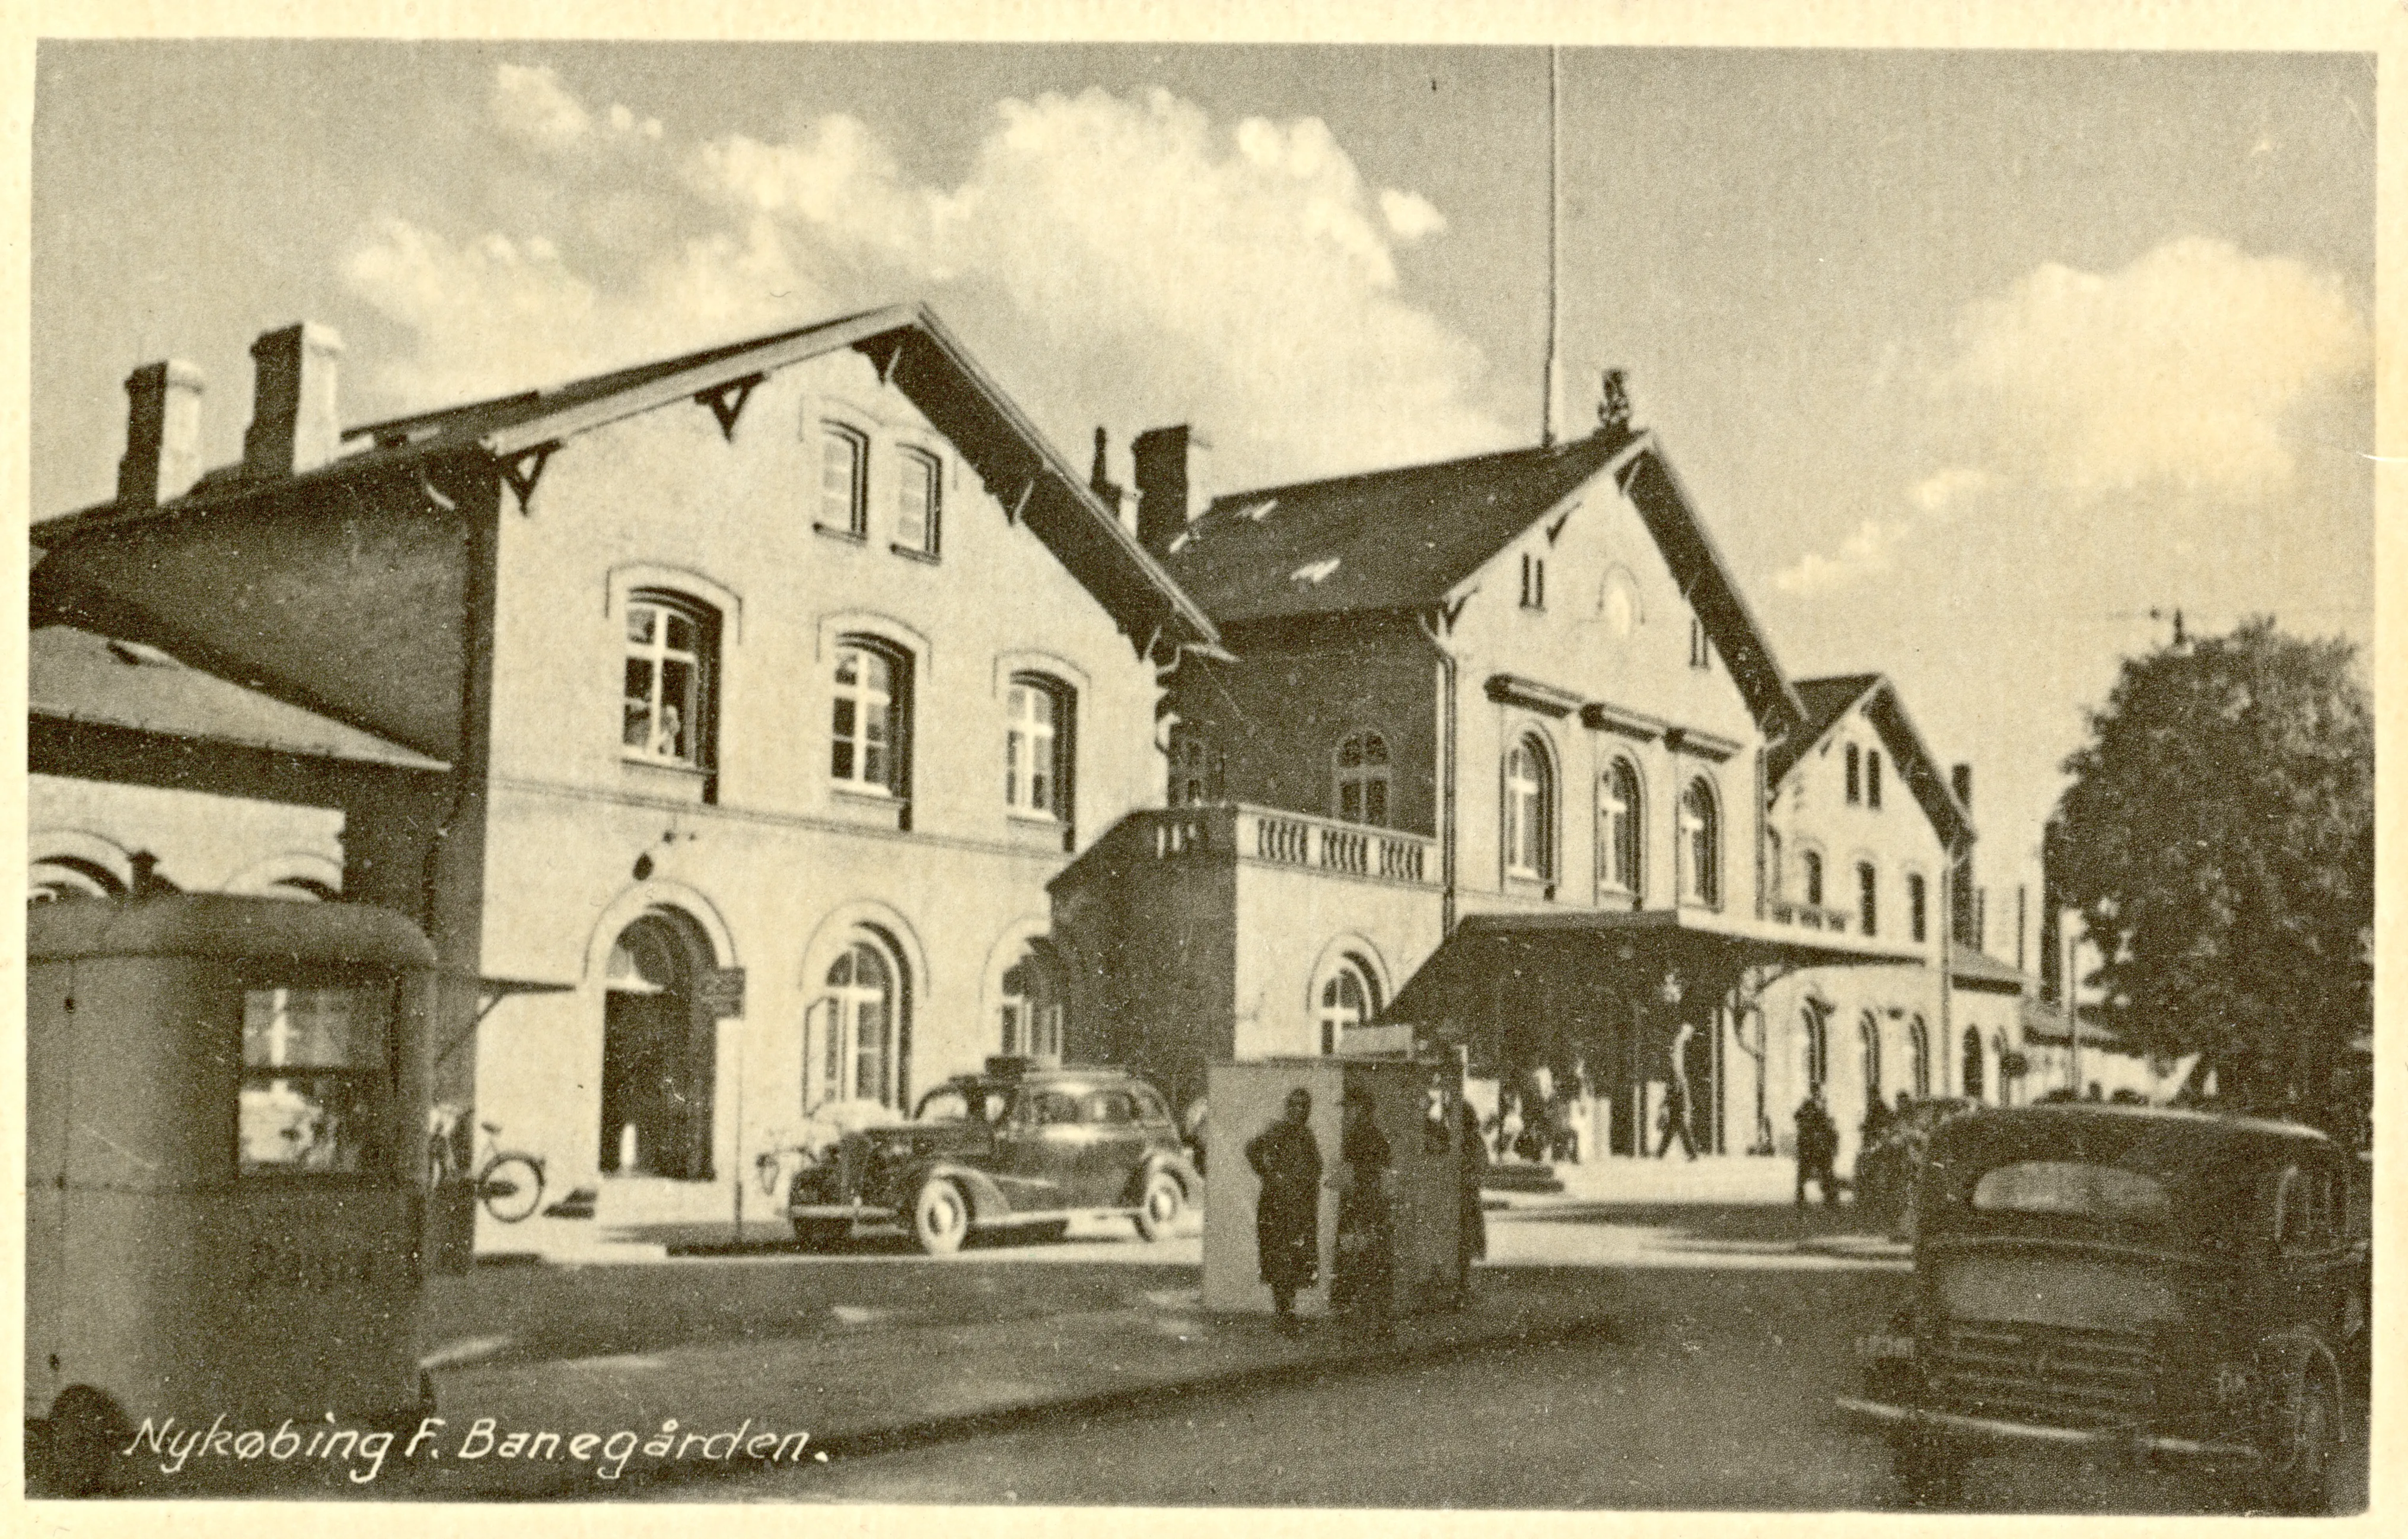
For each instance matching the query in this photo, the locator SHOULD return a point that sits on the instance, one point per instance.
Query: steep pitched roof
(1407, 538)
(1830, 699)
(911, 349)
(76, 676)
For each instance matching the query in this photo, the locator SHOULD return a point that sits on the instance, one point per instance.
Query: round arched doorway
(659, 1055)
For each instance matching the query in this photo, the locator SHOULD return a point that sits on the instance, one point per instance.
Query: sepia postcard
(1588, 764)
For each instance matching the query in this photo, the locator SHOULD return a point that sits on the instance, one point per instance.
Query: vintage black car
(1018, 1148)
(2159, 1285)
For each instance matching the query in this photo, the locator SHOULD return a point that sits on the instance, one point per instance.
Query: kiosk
(224, 1203)
(1418, 1108)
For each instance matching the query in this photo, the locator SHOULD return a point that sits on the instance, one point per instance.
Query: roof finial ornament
(1613, 402)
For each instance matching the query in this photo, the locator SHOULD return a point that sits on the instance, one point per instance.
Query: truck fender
(987, 1200)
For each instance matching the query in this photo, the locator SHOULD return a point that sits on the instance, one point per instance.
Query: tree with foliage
(2218, 839)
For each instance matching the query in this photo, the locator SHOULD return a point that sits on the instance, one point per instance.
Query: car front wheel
(1165, 1200)
(940, 1219)
(2298, 1482)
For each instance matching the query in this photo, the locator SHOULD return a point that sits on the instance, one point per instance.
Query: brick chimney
(293, 425)
(162, 433)
(1171, 473)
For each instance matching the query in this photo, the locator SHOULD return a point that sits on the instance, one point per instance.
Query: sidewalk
(884, 1389)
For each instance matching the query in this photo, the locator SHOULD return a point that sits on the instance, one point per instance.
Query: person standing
(1818, 1146)
(1363, 1283)
(1471, 1219)
(1286, 1159)
(1675, 1118)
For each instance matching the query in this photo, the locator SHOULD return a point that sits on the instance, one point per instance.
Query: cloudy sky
(1973, 360)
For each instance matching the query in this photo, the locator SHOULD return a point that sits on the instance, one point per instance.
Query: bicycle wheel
(511, 1188)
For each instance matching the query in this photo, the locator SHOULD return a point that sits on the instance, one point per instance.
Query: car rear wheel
(1165, 1200)
(2299, 1482)
(1930, 1474)
(940, 1219)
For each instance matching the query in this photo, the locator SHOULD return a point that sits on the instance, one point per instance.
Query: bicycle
(508, 1182)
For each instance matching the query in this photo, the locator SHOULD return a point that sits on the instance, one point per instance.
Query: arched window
(1530, 811)
(672, 654)
(1773, 872)
(1348, 998)
(1918, 1045)
(865, 746)
(1810, 863)
(919, 501)
(859, 1007)
(1868, 898)
(1872, 779)
(1701, 858)
(658, 1053)
(1031, 1009)
(1917, 908)
(1855, 781)
(1362, 780)
(1621, 821)
(1815, 1032)
(844, 481)
(1036, 747)
(1869, 1053)
(1971, 1050)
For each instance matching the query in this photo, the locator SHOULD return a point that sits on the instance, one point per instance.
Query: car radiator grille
(2048, 1374)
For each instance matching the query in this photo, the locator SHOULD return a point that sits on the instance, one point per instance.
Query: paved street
(1728, 1315)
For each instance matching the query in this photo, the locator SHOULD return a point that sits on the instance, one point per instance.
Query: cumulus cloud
(1127, 255)
(2184, 375)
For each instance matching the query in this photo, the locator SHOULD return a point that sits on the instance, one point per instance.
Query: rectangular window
(862, 742)
(1700, 650)
(1855, 780)
(919, 497)
(1868, 915)
(1032, 746)
(844, 464)
(1534, 582)
(669, 658)
(1914, 906)
(315, 1076)
(1872, 780)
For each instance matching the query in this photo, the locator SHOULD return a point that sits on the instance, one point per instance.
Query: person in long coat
(1471, 1219)
(1287, 1215)
(1818, 1146)
(1363, 1283)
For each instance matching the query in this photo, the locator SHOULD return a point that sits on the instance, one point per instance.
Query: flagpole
(1555, 240)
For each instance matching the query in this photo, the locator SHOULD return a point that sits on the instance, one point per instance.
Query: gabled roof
(912, 349)
(1829, 701)
(75, 676)
(1408, 538)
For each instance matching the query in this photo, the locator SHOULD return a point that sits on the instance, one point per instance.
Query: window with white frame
(671, 646)
(858, 1007)
(1362, 780)
(844, 481)
(1701, 874)
(1348, 999)
(1030, 1010)
(1035, 746)
(1621, 821)
(1530, 811)
(865, 741)
(918, 500)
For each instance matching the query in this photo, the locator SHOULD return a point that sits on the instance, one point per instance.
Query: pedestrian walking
(1818, 1146)
(1471, 1219)
(1286, 1159)
(1673, 1121)
(1362, 1287)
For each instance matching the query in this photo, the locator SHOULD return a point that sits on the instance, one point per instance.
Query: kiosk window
(313, 1062)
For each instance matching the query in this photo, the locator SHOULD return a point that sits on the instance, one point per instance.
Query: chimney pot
(1171, 464)
(294, 421)
(163, 433)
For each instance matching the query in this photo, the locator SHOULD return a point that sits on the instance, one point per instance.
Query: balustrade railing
(1808, 917)
(1287, 839)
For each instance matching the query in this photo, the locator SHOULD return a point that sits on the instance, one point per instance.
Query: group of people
(1286, 1159)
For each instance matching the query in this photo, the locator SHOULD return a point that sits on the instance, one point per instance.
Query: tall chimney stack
(294, 424)
(1169, 473)
(162, 433)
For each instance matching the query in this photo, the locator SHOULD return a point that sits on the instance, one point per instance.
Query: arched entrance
(659, 1057)
(1869, 1055)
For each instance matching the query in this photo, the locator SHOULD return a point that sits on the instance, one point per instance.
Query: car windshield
(2070, 1187)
